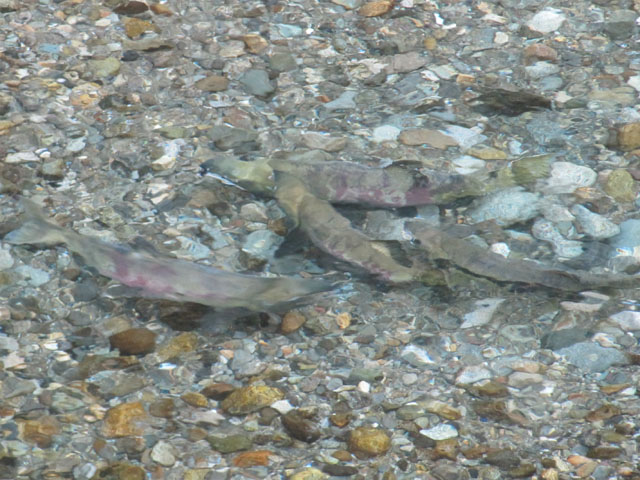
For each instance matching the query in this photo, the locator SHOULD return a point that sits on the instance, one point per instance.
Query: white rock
(163, 453)
(442, 431)
(541, 69)
(627, 320)
(34, 276)
(416, 356)
(473, 374)
(547, 21)
(21, 157)
(545, 230)
(566, 177)
(634, 82)
(385, 133)
(282, 406)
(500, 38)
(594, 225)
(465, 137)
(467, 164)
(483, 313)
(6, 260)
(506, 207)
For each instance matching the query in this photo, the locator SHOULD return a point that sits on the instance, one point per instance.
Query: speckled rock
(124, 419)
(621, 186)
(230, 443)
(506, 207)
(120, 471)
(369, 442)
(250, 399)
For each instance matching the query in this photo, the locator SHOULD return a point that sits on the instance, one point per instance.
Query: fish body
(334, 234)
(333, 181)
(479, 261)
(167, 278)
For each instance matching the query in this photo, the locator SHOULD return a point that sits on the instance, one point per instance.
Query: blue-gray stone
(592, 358)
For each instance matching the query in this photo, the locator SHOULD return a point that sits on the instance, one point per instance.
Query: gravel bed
(112, 114)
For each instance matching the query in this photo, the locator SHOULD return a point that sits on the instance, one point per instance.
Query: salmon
(167, 278)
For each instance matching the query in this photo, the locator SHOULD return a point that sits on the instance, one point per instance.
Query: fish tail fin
(37, 229)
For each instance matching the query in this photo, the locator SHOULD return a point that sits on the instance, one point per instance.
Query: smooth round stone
(385, 133)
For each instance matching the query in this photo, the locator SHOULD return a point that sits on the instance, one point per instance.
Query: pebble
(324, 142)
(621, 186)
(34, 276)
(487, 153)
(104, 68)
(291, 322)
(66, 401)
(300, 426)
(250, 399)
(620, 24)
(406, 62)
(6, 259)
(540, 51)
(472, 374)
(134, 341)
(464, 137)
(385, 133)
(566, 177)
(309, 473)
(283, 62)
(425, 136)
(257, 82)
(541, 69)
(195, 399)
(596, 226)
(375, 8)
(230, 443)
(627, 320)
(442, 431)
(212, 83)
(163, 453)
(410, 412)
(485, 309)
(121, 471)
(545, 230)
(416, 356)
(21, 157)
(467, 165)
(409, 379)
(626, 137)
(547, 21)
(506, 207)
(255, 43)
(344, 102)
(262, 244)
(124, 419)
(524, 379)
(183, 343)
(367, 442)
(591, 357)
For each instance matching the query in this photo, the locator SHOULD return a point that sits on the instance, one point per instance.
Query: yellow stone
(369, 442)
(134, 27)
(255, 43)
(250, 399)
(430, 43)
(124, 420)
(487, 153)
(375, 9)
(195, 399)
